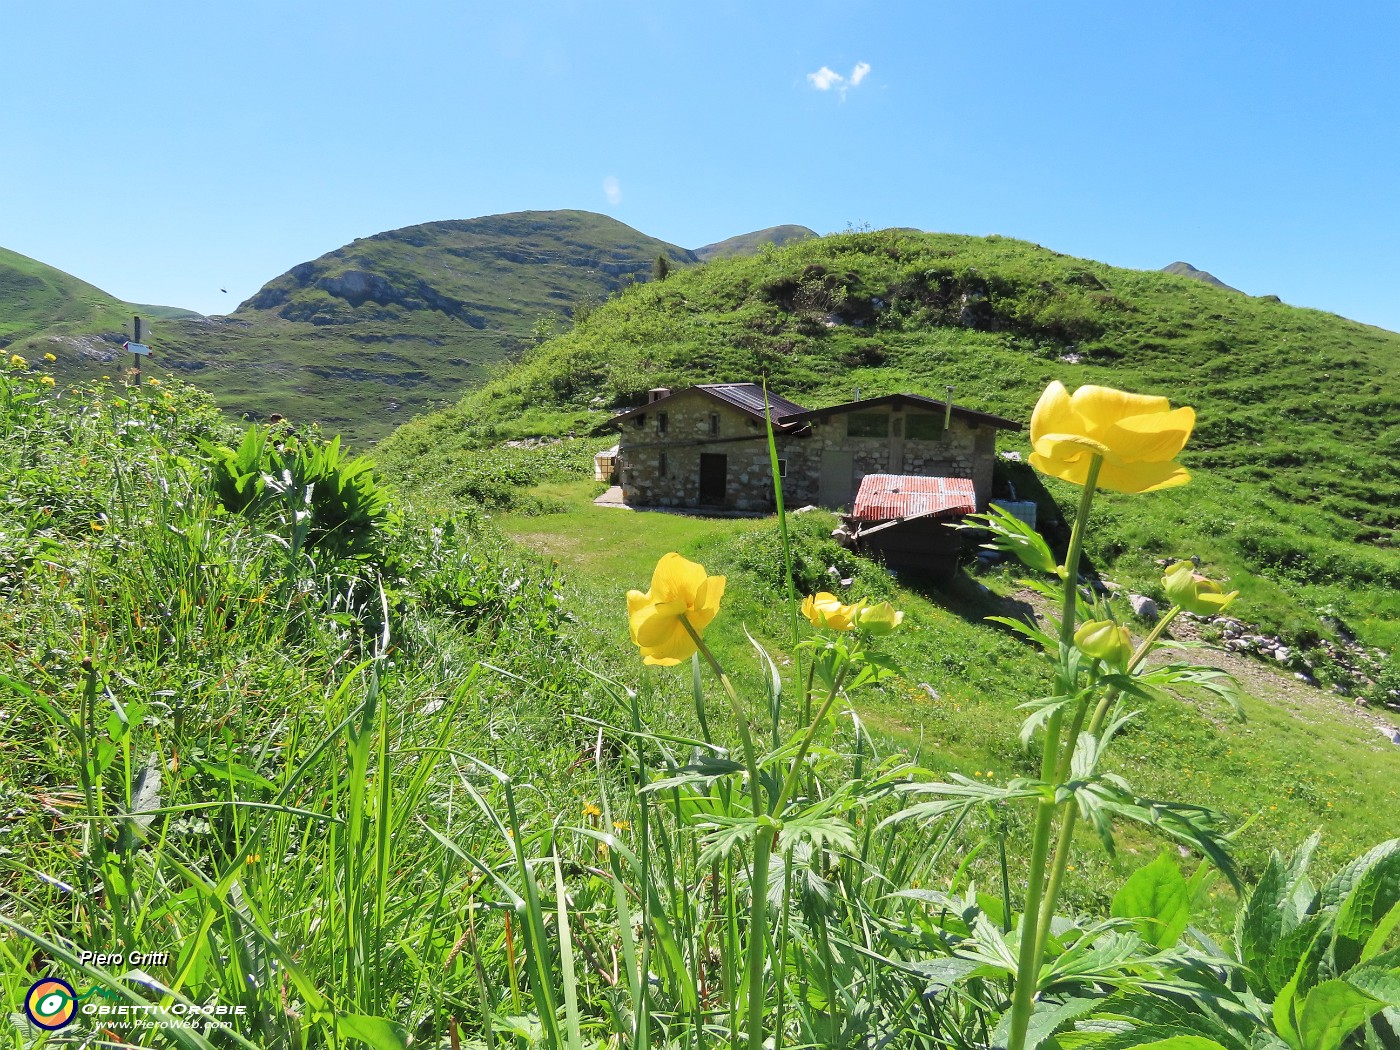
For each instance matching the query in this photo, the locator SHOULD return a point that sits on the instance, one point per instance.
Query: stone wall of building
(662, 468)
(964, 450)
(660, 464)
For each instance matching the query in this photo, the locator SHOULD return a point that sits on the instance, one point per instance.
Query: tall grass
(382, 801)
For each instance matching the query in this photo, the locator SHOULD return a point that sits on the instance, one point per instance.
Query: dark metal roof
(746, 397)
(883, 497)
(915, 400)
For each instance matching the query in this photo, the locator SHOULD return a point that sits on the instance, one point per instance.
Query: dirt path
(1276, 687)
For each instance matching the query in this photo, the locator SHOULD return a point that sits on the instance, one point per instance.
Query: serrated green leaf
(1374, 893)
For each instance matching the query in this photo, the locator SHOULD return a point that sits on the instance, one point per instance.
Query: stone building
(706, 447)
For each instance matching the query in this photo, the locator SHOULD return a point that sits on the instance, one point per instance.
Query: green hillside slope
(1298, 493)
(364, 336)
(35, 297)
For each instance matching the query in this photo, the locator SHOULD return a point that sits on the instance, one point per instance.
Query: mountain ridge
(383, 326)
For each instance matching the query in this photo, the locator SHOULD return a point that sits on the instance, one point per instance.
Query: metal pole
(136, 358)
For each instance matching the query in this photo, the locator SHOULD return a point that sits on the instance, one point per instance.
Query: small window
(661, 465)
(661, 422)
(714, 425)
(924, 427)
(640, 421)
(782, 468)
(868, 425)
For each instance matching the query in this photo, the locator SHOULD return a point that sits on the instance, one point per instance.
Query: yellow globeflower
(1138, 437)
(1196, 593)
(46, 380)
(1105, 640)
(18, 362)
(50, 357)
(153, 382)
(825, 610)
(678, 588)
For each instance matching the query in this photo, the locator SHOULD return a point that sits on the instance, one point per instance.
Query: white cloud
(612, 190)
(826, 78)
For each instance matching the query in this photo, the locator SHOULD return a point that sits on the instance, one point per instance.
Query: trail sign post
(138, 350)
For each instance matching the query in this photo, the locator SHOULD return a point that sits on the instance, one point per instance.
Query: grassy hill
(35, 297)
(1298, 490)
(371, 333)
(1185, 269)
(750, 243)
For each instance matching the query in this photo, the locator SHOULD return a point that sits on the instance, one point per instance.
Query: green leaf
(1379, 980)
(1157, 898)
(1331, 1012)
(1374, 893)
(1260, 922)
(1014, 536)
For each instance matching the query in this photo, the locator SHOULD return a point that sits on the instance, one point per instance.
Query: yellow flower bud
(1195, 593)
(880, 619)
(1105, 640)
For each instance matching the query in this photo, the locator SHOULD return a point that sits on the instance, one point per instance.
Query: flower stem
(757, 948)
(740, 719)
(1071, 813)
(790, 782)
(1032, 948)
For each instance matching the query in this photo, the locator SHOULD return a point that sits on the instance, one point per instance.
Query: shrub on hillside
(819, 563)
(318, 496)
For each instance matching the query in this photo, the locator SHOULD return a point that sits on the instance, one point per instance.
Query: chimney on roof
(657, 393)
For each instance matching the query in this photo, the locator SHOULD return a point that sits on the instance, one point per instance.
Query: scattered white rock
(1143, 606)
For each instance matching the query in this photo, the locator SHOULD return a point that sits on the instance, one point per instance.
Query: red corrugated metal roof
(883, 497)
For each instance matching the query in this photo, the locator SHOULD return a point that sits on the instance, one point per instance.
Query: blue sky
(164, 151)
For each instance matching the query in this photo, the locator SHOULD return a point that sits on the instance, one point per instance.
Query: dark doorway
(713, 470)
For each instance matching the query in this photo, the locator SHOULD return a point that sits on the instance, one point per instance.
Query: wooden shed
(903, 521)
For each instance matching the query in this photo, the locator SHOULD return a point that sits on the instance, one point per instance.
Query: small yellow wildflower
(679, 588)
(18, 362)
(46, 380)
(591, 810)
(253, 858)
(50, 357)
(97, 526)
(824, 609)
(622, 825)
(153, 381)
